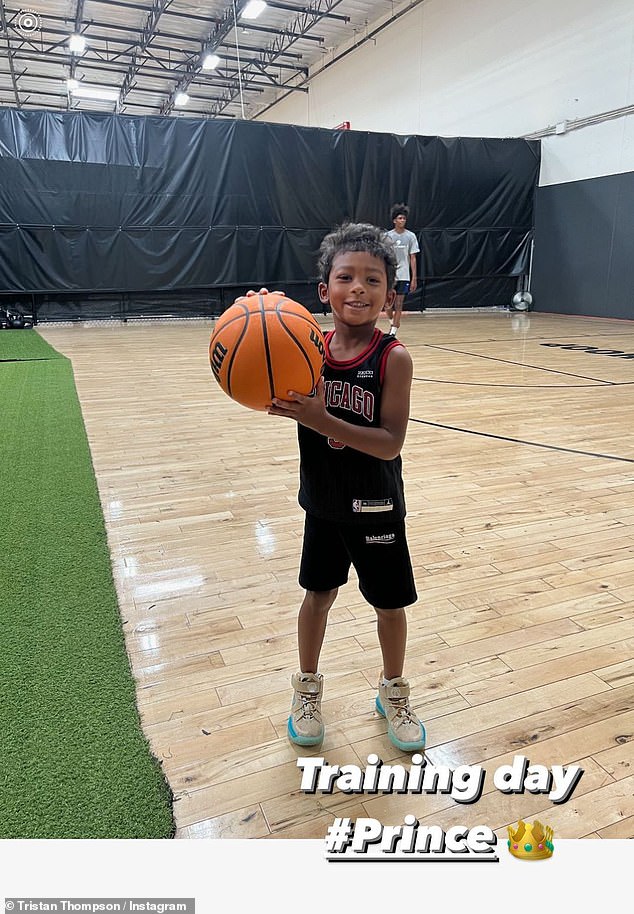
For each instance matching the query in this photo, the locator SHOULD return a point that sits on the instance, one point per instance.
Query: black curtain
(151, 209)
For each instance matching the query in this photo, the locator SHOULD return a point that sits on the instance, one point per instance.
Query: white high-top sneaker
(404, 729)
(305, 727)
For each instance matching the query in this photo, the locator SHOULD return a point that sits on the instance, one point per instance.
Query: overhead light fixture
(210, 62)
(93, 92)
(181, 98)
(77, 44)
(72, 84)
(253, 9)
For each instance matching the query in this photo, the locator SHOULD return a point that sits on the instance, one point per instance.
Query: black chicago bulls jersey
(337, 482)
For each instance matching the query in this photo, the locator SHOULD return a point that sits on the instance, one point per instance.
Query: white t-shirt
(405, 243)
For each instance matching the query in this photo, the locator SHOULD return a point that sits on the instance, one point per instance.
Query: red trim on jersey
(384, 356)
(352, 363)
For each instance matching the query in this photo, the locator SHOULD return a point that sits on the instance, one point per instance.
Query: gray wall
(583, 261)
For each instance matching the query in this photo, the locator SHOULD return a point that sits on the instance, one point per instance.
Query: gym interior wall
(115, 216)
(583, 247)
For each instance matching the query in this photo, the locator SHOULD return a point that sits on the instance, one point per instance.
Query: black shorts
(402, 287)
(379, 553)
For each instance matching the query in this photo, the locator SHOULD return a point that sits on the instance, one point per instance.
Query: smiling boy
(351, 432)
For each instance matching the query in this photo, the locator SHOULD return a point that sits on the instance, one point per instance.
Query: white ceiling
(150, 50)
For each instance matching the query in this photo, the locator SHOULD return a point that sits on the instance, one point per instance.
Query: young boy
(351, 432)
(406, 245)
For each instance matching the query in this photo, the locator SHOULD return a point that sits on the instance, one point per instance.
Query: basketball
(263, 346)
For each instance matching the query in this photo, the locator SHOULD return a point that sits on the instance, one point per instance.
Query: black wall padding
(583, 247)
(106, 203)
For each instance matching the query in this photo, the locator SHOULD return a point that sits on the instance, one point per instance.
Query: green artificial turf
(23, 345)
(73, 760)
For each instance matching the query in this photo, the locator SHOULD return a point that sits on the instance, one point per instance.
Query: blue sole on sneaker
(302, 740)
(406, 747)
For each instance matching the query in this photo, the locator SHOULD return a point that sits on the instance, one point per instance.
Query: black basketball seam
(232, 321)
(310, 320)
(296, 340)
(267, 351)
(246, 314)
(307, 320)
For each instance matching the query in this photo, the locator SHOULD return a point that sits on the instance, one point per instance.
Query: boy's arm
(414, 250)
(384, 442)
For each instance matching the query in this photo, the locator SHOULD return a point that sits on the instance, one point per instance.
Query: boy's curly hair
(399, 209)
(357, 236)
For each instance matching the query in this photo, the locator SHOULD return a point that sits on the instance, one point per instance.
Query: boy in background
(406, 247)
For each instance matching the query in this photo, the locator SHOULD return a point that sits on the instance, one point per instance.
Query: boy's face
(400, 222)
(357, 288)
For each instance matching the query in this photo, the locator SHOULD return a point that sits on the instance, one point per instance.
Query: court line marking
(599, 386)
(492, 358)
(548, 447)
(515, 337)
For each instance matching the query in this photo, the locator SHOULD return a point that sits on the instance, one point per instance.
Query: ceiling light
(72, 84)
(95, 92)
(210, 62)
(253, 9)
(181, 98)
(77, 44)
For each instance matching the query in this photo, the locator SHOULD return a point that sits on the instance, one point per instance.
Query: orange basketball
(263, 346)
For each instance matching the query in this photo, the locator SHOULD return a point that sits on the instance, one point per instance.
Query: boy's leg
(404, 729)
(392, 632)
(305, 725)
(395, 316)
(324, 567)
(381, 557)
(311, 627)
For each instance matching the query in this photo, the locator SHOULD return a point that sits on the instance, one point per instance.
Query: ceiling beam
(35, 104)
(14, 78)
(109, 39)
(204, 79)
(147, 34)
(209, 46)
(79, 14)
(106, 39)
(141, 47)
(144, 8)
(130, 29)
(298, 9)
(160, 33)
(285, 32)
(91, 59)
(302, 23)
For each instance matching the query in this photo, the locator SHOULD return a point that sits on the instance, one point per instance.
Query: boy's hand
(307, 410)
(264, 291)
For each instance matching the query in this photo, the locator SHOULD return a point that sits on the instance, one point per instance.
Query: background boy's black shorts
(402, 287)
(379, 553)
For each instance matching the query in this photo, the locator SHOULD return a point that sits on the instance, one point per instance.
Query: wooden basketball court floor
(519, 472)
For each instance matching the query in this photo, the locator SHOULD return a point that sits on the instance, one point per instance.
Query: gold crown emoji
(531, 842)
